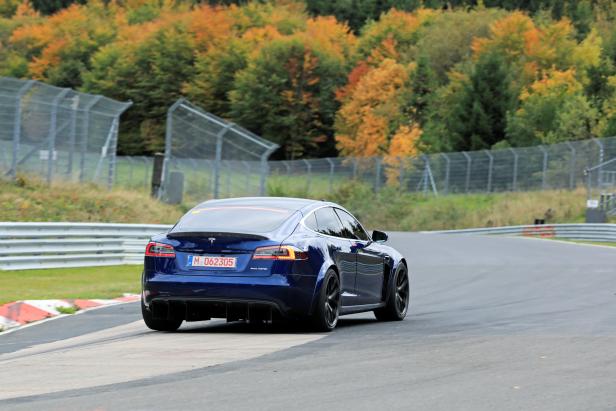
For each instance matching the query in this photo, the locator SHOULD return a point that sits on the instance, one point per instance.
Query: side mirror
(379, 236)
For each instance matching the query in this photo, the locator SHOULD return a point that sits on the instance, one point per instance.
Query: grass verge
(29, 199)
(60, 283)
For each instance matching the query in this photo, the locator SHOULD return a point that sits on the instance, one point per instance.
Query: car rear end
(229, 262)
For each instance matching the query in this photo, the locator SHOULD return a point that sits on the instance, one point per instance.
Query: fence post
(51, 138)
(331, 174)
(601, 153)
(355, 161)
(514, 183)
(114, 149)
(287, 167)
(265, 169)
(447, 172)
(17, 126)
(377, 181)
(490, 169)
(308, 172)
(247, 178)
(571, 166)
(86, 133)
(401, 172)
(218, 159)
(468, 171)
(545, 167)
(72, 132)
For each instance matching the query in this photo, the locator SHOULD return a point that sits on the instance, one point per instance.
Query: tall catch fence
(57, 133)
(212, 157)
(548, 167)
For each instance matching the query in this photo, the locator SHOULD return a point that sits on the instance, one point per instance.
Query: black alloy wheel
(326, 313)
(397, 303)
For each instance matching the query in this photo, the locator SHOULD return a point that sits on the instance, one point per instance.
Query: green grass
(30, 199)
(67, 310)
(60, 283)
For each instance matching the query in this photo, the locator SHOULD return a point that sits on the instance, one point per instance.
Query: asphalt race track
(495, 323)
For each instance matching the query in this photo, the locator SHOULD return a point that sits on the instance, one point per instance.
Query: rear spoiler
(205, 234)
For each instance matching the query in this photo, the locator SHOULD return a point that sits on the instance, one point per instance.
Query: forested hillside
(323, 78)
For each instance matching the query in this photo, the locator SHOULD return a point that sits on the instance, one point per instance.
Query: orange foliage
(364, 118)
(403, 145)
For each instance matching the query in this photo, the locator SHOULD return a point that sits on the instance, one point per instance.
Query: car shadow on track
(279, 327)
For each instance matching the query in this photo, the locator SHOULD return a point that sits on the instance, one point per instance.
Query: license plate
(214, 262)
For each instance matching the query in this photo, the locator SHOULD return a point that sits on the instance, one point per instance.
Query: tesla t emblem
(212, 239)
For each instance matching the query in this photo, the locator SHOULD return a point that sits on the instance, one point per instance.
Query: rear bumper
(290, 295)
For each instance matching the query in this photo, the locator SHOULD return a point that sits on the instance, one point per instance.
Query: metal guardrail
(51, 245)
(581, 232)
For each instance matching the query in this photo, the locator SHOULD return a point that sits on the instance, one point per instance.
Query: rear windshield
(233, 219)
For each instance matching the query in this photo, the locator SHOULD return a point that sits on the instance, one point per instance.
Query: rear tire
(157, 324)
(397, 303)
(325, 316)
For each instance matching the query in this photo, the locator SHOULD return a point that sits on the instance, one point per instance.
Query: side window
(347, 224)
(328, 222)
(311, 222)
(351, 225)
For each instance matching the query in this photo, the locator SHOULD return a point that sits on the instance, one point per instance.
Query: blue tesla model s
(255, 259)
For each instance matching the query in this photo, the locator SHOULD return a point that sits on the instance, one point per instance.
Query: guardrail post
(545, 167)
(514, 183)
(51, 138)
(490, 168)
(308, 173)
(468, 171)
(331, 174)
(17, 126)
(447, 172)
(571, 166)
(377, 181)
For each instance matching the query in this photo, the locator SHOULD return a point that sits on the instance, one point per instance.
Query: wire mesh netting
(550, 167)
(57, 133)
(215, 158)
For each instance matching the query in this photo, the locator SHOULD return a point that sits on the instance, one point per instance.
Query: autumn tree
(371, 114)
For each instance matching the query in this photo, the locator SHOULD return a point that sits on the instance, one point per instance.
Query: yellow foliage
(553, 82)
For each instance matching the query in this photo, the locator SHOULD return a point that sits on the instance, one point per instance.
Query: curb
(19, 313)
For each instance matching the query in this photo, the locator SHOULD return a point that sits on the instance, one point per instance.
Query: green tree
(481, 116)
(422, 86)
(287, 95)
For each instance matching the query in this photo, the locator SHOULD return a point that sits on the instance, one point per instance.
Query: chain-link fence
(558, 166)
(57, 133)
(212, 157)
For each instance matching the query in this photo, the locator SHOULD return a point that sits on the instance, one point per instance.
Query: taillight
(282, 252)
(154, 249)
